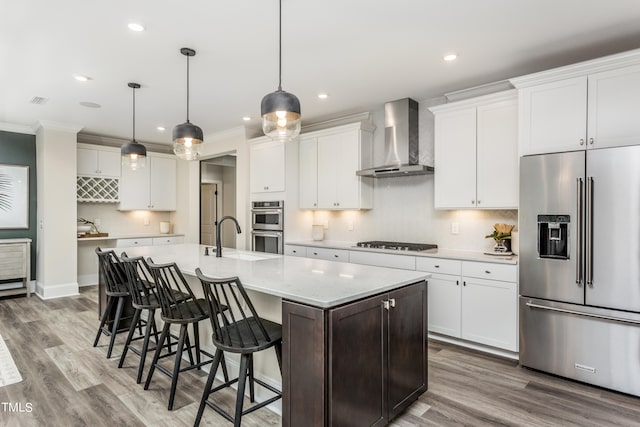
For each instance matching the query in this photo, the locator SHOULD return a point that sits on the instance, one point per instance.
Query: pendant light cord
(187, 88)
(134, 114)
(280, 46)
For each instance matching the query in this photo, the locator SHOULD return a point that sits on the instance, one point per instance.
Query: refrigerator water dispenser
(553, 236)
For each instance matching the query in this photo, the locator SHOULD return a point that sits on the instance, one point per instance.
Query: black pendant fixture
(187, 137)
(280, 110)
(134, 154)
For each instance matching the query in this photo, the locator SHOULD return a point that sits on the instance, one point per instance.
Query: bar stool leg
(114, 326)
(196, 333)
(132, 330)
(176, 366)
(156, 355)
(242, 379)
(252, 396)
(207, 388)
(103, 320)
(145, 344)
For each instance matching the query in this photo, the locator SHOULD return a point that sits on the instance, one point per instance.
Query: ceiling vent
(39, 100)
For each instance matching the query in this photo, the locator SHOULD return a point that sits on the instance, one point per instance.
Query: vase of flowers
(502, 236)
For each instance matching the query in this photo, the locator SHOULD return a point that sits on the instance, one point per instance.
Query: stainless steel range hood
(400, 142)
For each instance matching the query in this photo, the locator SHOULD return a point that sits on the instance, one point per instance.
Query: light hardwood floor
(68, 382)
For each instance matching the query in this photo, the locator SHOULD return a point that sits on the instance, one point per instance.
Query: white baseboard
(56, 291)
(88, 279)
(475, 346)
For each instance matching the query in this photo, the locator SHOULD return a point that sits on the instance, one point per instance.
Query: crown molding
(477, 101)
(11, 127)
(110, 141)
(606, 63)
(60, 126)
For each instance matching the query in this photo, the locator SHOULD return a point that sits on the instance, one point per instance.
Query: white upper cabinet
(328, 163)
(594, 104)
(100, 161)
(267, 163)
(150, 188)
(476, 153)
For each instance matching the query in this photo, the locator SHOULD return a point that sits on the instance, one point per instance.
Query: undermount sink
(244, 257)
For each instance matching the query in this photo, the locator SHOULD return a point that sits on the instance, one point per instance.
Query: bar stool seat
(237, 331)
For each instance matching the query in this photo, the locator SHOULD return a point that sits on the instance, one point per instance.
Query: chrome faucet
(218, 232)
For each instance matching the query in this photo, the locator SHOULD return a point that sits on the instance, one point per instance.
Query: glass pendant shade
(281, 118)
(187, 141)
(134, 154)
(187, 137)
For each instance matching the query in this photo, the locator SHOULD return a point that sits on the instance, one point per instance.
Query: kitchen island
(354, 336)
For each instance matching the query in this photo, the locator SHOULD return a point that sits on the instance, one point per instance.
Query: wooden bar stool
(236, 331)
(117, 292)
(182, 310)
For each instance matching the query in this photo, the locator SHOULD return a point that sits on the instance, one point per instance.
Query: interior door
(208, 213)
(613, 263)
(551, 184)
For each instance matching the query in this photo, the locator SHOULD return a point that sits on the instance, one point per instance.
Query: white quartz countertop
(307, 281)
(126, 236)
(432, 253)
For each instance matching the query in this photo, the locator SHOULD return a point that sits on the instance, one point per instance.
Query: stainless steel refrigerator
(580, 266)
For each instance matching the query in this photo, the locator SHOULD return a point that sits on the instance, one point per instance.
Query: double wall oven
(267, 226)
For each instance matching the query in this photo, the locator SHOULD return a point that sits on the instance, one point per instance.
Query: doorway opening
(217, 199)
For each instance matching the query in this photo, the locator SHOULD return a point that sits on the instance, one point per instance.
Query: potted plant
(92, 229)
(502, 236)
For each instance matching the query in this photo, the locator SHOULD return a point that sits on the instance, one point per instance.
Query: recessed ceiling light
(246, 118)
(133, 26)
(81, 78)
(161, 128)
(450, 57)
(90, 104)
(323, 95)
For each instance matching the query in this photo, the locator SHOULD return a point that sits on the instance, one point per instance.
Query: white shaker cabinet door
(134, 189)
(87, 162)
(267, 161)
(497, 155)
(162, 190)
(444, 304)
(614, 108)
(553, 116)
(308, 173)
(455, 159)
(109, 163)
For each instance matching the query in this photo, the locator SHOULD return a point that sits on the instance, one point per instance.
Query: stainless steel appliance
(398, 246)
(580, 266)
(267, 226)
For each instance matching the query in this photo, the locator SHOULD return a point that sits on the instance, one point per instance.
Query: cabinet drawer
(127, 243)
(383, 260)
(168, 240)
(484, 270)
(328, 254)
(439, 265)
(294, 250)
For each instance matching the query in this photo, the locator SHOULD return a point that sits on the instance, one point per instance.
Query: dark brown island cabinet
(359, 364)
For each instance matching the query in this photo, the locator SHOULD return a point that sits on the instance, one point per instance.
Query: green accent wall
(20, 149)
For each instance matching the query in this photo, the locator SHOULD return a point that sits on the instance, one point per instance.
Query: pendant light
(134, 154)
(280, 110)
(187, 137)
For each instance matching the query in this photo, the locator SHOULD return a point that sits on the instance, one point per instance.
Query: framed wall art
(14, 196)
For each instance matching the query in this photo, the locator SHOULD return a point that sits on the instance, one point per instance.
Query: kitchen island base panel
(359, 361)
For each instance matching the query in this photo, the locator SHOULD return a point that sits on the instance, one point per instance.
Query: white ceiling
(362, 52)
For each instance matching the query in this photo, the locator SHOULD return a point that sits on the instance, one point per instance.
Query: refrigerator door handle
(582, 313)
(589, 232)
(579, 254)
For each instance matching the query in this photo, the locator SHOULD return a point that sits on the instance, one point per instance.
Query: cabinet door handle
(457, 283)
(436, 266)
(385, 304)
(479, 201)
(487, 271)
(591, 141)
(581, 141)
(335, 256)
(294, 251)
(464, 283)
(315, 253)
(392, 302)
(473, 202)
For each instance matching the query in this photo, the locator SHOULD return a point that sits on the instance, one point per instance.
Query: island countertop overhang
(314, 282)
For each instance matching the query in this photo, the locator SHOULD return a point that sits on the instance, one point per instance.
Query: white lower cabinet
(329, 254)
(295, 250)
(149, 241)
(171, 240)
(383, 260)
(475, 301)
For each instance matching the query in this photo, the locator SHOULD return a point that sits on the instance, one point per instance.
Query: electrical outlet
(146, 220)
(455, 228)
(97, 221)
(325, 223)
(350, 226)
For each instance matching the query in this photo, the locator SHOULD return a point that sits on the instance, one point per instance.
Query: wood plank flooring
(68, 382)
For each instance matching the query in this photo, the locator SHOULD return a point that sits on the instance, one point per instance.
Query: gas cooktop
(397, 246)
